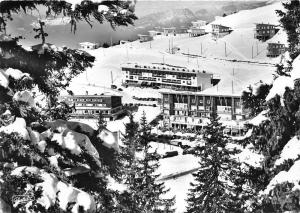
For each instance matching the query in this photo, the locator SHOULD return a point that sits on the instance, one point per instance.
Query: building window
(85, 111)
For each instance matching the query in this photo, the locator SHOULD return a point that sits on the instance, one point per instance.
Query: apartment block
(183, 110)
(167, 76)
(90, 106)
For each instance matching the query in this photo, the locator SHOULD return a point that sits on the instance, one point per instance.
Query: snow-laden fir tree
(147, 194)
(274, 187)
(40, 170)
(213, 188)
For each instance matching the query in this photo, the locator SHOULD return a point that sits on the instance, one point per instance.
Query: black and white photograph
(150, 106)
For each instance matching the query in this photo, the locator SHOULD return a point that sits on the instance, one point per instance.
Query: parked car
(120, 89)
(114, 86)
(180, 142)
(170, 154)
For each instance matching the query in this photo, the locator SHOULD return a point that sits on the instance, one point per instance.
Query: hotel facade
(163, 76)
(183, 110)
(90, 106)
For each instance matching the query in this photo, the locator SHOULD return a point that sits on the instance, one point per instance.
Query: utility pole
(232, 90)
(150, 45)
(111, 76)
(110, 40)
(86, 76)
(197, 62)
(225, 50)
(188, 55)
(171, 45)
(252, 51)
(256, 48)
(201, 49)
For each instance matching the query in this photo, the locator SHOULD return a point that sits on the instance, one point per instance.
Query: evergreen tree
(254, 101)
(271, 136)
(48, 70)
(145, 191)
(214, 187)
(101, 123)
(290, 20)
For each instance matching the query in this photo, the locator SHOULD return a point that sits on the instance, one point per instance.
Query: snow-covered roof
(164, 67)
(87, 43)
(205, 92)
(92, 96)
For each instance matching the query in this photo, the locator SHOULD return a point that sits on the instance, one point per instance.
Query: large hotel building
(183, 110)
(90, 106)
(166, 76)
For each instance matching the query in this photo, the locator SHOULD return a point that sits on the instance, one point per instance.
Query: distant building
(169, 31)
(89, 106)
(178, 78)
(145, 38)
(275, 49)
(182, 30)
(183, 110)
(198, 23)
(219, 30)
(124, 42)
(194, 32)
(88, 45)
(154, 33)
(264, 31)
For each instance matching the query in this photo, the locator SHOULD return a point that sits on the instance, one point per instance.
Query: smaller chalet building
(219, 30)
(145, 38)
(194, 32)
(88, 45)
(90, 106)
(198, 23)
(182, 30)
(264, 31)
(275, 49)
(169, 31)
(154, 33)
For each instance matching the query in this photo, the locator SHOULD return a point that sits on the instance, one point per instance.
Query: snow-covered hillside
(235, 76)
